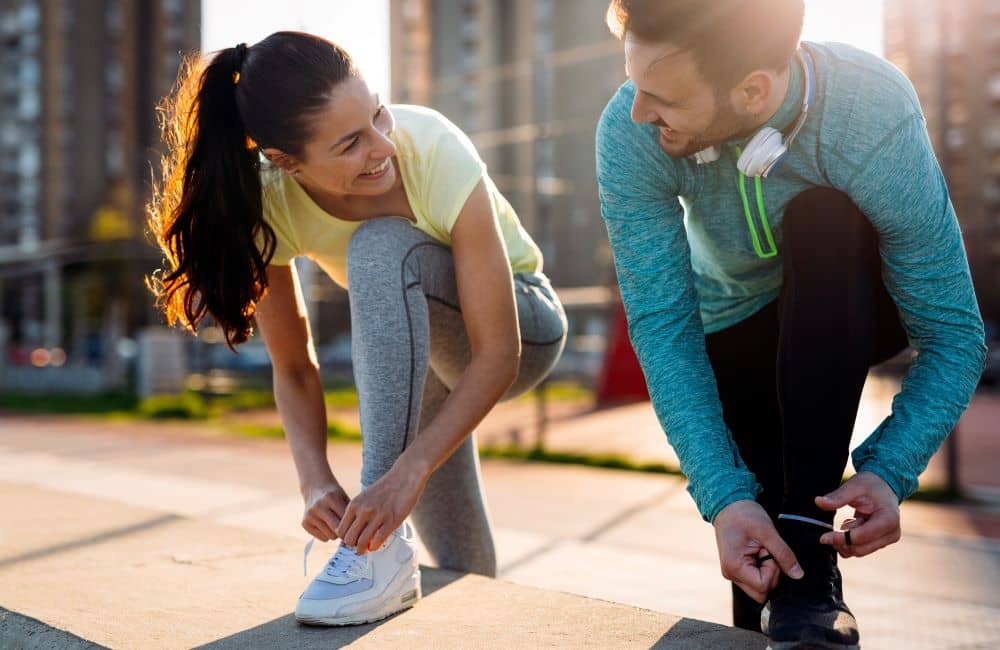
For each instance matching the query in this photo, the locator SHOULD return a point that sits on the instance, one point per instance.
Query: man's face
(672, 94)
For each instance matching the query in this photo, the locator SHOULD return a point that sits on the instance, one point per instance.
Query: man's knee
(825, 224)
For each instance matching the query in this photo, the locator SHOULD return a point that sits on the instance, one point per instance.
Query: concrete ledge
(85, 572)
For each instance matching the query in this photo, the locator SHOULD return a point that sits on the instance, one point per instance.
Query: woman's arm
(298, 392)
(486, 295)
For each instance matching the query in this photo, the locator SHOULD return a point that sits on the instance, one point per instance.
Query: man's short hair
(729, 38)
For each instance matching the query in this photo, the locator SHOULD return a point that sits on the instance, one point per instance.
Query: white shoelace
(345, 562)
(305, 556)
(806, 520)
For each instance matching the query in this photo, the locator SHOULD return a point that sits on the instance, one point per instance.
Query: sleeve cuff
(902, 483)
(710, 501)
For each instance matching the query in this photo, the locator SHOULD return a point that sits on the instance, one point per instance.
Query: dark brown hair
(207, 210)
(729, 38)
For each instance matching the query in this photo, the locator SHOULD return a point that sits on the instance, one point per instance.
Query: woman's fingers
(345, 522)
(315, 531)
(379, 539)
(350, 530)
(367, 535)
(337, 502)
(326, 520)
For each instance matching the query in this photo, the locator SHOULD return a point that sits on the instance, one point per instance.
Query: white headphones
(769, 146)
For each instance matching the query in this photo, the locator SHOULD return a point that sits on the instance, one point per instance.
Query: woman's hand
(375, 513)
(325, 507)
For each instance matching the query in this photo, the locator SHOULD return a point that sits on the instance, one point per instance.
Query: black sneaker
(809, 614)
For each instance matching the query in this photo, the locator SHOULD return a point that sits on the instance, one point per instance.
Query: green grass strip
(604, 461)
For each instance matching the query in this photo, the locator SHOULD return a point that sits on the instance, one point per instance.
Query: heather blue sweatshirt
(687, 266)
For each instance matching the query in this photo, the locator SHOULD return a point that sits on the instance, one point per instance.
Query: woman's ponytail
(207, 214)
(207, 210)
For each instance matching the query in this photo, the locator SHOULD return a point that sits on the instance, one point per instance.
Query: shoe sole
(809, 645)
(407, 590)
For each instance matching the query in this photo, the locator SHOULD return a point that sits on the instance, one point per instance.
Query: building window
(31, 16)
(114, 157)
(991, 136)
(994, 87)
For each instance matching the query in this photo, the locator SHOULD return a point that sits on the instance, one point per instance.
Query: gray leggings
(409, 348)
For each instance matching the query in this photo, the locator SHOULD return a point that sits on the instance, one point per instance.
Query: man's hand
(876, 515)
(746, 536)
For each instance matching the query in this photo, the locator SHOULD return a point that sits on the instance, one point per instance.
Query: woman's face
(350, 151)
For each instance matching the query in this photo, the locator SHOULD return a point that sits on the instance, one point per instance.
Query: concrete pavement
(126, 576)
(189, 537)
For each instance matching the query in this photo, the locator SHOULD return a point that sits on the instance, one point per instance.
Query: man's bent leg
(832, 310)
(742, 358)
(828, 322)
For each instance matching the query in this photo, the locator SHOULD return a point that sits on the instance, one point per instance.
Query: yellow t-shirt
(439, 166)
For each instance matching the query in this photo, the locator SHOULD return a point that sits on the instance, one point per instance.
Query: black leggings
(790, 376)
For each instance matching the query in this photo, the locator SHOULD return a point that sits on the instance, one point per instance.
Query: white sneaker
(353, 589)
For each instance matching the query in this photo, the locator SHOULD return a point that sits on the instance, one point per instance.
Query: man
(761, 287)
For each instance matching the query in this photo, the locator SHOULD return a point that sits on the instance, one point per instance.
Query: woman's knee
(379, 246)
(377, 234)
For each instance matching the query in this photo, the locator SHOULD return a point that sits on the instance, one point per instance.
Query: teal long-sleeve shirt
(687, 266)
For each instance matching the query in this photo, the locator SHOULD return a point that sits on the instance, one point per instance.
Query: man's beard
(726, 125)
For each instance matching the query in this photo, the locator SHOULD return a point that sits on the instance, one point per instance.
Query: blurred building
(527, 80)
(78, 85)
(951, 52)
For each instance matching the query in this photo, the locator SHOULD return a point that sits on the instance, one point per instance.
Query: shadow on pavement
(25, 632)
(690, 633)
(89, 541)
(285, 632)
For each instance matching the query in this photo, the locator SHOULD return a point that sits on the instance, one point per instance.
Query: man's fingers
(842, 496)
(860, 550)
(871, 547)
(783, 555)
(881, 524)
(770, 575)
(749, 580)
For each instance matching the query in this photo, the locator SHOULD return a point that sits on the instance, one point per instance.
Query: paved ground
(128, 576)
(216, 517)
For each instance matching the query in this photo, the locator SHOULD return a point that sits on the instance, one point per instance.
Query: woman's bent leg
(409, 340)
(451, 515)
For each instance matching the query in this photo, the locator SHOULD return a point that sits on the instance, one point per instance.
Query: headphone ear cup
(761, 152)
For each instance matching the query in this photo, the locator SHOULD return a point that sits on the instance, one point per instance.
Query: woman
(450, 311)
